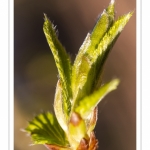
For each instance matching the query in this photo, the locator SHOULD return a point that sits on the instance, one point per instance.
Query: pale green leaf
(58, 107)
(79, 78)
(62, 61)
(83, 72)
(99, 30)
(107, 43)
(45, 129)
(88, 69)
(103, 24)
(88, 103)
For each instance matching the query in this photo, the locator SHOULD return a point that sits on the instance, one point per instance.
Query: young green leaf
(107, 43)
(58, 107)
(88, 103)
(63, 63)
(103, 24)
(84, 80)
(83, 72)
(45, 129)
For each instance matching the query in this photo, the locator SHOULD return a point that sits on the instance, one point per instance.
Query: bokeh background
(35, 73)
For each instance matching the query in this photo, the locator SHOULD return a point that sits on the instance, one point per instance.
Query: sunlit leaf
(103, 24)
(88, 103)
(107, 43)
(45, 129)
(84, 68)
(58, 107)
(62, 61)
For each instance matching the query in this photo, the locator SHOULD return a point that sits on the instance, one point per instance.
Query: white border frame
(138, 76)
(4, 73)
(145, 75)
(11, 75)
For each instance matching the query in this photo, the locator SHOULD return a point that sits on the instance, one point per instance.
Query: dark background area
(35, 73)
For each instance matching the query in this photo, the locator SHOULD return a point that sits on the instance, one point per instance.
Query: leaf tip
(112, 1)
(129, 15)
(45, 16)
(116, 82)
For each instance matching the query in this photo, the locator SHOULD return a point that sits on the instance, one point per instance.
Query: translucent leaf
(83, 72)
(99, 30)
(58, 107)
(88, 103)
(62, 61)
(107, 43)
(44, 129)
(103, 24)
(87, 70)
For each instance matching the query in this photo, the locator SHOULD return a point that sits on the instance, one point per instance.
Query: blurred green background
(35, 73)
